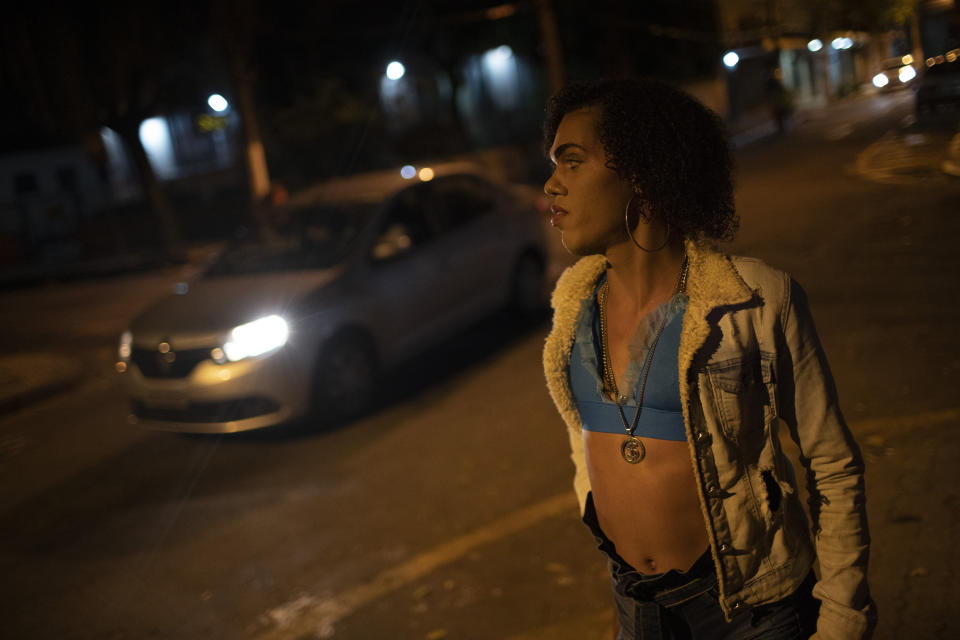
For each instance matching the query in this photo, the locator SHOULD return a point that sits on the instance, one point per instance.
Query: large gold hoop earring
(626, 222)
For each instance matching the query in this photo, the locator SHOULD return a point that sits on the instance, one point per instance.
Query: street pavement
(448, 513)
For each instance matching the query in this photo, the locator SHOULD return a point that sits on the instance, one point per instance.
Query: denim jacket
(749, 356)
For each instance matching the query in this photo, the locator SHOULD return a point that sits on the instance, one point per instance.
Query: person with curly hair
(672, 365)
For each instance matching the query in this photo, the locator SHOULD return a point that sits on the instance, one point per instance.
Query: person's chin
(576, 246)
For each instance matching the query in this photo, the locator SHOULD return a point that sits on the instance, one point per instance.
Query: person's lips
(557, 214)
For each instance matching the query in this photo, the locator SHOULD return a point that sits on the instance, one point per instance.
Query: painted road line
(900, 423)
(838, 132)
(316, 617)
(309, 616)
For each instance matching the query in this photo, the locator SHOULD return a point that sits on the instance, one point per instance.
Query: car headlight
(907, 73)
(880, 80)
(256, 338)
(123, 349)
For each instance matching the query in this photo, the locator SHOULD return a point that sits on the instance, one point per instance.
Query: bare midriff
(650, 510)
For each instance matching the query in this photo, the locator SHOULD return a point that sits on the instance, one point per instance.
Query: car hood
(220, 303)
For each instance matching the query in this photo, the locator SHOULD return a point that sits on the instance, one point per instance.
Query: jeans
(683, 605)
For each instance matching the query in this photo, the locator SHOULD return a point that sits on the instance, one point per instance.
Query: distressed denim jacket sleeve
(834, 472)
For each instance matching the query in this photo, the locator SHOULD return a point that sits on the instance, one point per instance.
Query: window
(462, 199)
(406, 225)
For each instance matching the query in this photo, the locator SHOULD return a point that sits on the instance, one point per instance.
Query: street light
(731, 59)
(841, 43)
(218, 103)
(395, 70)
(498, 60)
(815, 45)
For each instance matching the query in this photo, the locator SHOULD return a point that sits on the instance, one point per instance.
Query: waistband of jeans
(671, 588)
(667, 589)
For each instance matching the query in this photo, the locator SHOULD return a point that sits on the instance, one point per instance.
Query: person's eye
(573, 163)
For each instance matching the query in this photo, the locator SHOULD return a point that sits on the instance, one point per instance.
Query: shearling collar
(713, 281)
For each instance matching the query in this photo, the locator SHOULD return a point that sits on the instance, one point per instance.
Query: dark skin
(649, 510)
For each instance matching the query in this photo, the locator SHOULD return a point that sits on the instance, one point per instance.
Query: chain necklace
(632, 448)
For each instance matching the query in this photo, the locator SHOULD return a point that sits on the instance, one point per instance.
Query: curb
(51, 375)
(18, 401)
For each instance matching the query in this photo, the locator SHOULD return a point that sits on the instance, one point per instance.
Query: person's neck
(639, 280)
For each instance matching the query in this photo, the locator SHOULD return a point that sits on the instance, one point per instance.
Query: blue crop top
(661, 416)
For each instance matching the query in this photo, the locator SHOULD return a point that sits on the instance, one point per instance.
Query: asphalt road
(448, 513)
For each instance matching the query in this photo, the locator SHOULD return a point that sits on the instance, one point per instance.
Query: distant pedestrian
(671, 364)
(778, 100)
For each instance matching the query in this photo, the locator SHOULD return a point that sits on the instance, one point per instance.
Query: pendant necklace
(632, 448)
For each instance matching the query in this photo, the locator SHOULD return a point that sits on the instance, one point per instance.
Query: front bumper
(222, 398)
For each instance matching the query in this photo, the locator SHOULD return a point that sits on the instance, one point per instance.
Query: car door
(472, 245)
(403, 272)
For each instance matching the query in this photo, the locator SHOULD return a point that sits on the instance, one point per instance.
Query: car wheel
(526, 286)
(345, 379)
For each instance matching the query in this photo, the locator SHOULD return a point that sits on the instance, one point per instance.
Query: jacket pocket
(744, 394)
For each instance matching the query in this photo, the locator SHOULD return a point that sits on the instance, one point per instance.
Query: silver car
(357, 278)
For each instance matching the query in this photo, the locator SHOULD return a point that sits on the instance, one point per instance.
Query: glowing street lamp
(218, 103)
(815, 45)
(395, 70)
(731, 59)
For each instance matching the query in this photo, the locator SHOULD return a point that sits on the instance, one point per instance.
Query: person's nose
(552, 187)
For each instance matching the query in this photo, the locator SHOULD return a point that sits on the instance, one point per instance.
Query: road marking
(309, 616)
(893, 423)
(839, 132)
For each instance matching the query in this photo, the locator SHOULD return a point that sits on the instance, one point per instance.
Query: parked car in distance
(895, 74)
(939, 87)
(362, 274)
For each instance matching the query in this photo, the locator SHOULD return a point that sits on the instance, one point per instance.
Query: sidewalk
(914, 155)
(31, 376)
(26, 378)
(32, 274)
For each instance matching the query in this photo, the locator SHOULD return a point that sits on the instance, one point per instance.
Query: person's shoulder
(757, 274)
(577, 281)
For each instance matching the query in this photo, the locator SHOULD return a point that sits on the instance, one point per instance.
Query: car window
(311, 237)
(406, 224)
(462, 199)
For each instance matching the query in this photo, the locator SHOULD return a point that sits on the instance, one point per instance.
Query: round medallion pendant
(633, 450)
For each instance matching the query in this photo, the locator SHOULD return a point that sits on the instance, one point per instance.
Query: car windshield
(306, 238)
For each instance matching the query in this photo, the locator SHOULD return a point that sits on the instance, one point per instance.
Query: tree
(106, 65)
(234, 27)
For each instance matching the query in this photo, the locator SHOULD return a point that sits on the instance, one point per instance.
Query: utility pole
(915, 39)
(550, 38)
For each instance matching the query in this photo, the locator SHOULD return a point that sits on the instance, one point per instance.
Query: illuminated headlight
(256, 338)
(880, 80)
(907, 73)
(123, 350)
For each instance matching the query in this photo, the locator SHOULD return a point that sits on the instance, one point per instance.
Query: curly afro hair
(671, 148)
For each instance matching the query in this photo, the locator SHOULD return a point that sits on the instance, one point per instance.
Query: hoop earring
(626, 222)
